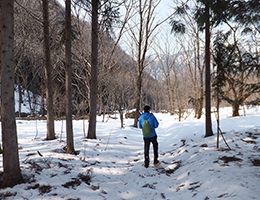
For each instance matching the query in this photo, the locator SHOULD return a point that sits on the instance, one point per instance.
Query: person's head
(147, 109)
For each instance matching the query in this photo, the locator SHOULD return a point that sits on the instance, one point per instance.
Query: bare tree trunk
(42, 104)
(48, 71)
(145, 28)
(20, 99)
(207, 74)
(201, 78)
(138, 98)
(29, 101)
(235, 107)
(179, 113)
(121, 115)
(201, 96)
(12, 173)
(94, 68)
(142, 50)
(100, 104)
(104, 112)
(140, 64)
(69, 129)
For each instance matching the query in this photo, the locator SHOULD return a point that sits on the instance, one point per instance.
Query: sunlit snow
(191, 168)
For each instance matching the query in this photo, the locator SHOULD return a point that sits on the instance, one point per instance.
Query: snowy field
(110, 166)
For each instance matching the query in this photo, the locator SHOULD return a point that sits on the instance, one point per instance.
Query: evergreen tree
(246, 12)
(236, 71)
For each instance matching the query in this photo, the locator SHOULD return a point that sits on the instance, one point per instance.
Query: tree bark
(69, 128)
(94, 68)
(42, 112)
(48, 71)
(29, 101)
(201, 78)
(201, 97)
(121, 113)
(207, 74)
(12, 173)
(20, 100)
(138, 98)
(142, 44)
(235, 108)
(100, 104)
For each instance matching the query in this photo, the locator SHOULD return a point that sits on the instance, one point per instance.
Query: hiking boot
(143, 165)
(157, 162)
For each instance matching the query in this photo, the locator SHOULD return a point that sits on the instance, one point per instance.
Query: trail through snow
(110, 166)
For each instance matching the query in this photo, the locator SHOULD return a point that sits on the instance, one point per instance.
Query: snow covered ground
(110, 166)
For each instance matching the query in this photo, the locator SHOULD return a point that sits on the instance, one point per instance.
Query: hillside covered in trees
(173, 79)
(116, 73)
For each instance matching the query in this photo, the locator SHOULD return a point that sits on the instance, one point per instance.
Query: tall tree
(145, 12)
(12, 173)
(69, 129)
(101, 27)
(141, 31)
(212, 13)
(207, 71)
(204, 19)
(48, 72)
(94, 70)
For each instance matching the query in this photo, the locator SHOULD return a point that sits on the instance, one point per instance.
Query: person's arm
(155, 122)
(140, 124)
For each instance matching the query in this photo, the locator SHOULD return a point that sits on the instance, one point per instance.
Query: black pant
(147, 142)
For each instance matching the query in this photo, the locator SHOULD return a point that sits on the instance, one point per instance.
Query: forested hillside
(172, 72)
(116, 73)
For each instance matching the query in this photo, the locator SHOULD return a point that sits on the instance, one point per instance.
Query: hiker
(151, 138)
